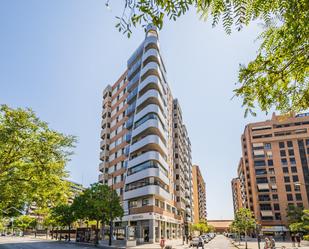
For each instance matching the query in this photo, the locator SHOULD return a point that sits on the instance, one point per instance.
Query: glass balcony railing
(129, 123)
(132, 95)
(130, 109)
(135, 67)
(128, 137)
(133, 82)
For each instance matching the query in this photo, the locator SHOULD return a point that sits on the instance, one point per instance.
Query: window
(259, 163)
(289, 197)
(276, 206)
(291, 152)
(295, 178)
(156, 202)
(277, 216)
(262, 180)
(267, 146)
(260, 171)
(296, 188)
(270, 162)
(271, 171)
(285, 170)
(286, 179)
(292, 161)
(298, 197)
(281, 144)
(290, 144)
(293, 169)
(282, 153)
(288, 188)
(275, 197)
(132, 204)
(284, 161)
(145, 202)
(272, 179)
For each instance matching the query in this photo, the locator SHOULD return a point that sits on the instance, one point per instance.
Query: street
(220, 242)
(31, 243)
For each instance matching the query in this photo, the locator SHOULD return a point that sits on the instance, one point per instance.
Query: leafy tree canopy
(278, 76)
(32, 160)
(25, 221)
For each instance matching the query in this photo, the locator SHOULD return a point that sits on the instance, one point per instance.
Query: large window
(147, 165)
(145, 182)
(259, 163)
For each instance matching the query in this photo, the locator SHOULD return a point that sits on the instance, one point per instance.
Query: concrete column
(152, 231)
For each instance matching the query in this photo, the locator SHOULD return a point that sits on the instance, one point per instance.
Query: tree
(25, 222)
(64, 214)
(202, 227)
(244, 222)
(294, 214)
(99, 203)
(302, 223)
(278, 76)
(32, 161)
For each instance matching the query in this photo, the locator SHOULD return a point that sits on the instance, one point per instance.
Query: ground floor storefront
(150, 228)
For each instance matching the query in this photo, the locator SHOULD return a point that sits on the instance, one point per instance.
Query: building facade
(138, 151)
(199, 195)
(273, 172)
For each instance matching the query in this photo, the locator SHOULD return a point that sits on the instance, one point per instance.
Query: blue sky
(57, 56)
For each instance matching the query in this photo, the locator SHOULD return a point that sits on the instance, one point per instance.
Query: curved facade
(140, 160)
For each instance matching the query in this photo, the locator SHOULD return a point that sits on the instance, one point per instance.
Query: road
(220, 242)
(30, 243)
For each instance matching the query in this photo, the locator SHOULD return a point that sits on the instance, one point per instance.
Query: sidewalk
(279, 245)
(176, 244)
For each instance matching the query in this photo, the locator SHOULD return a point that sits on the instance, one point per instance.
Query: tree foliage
(278, 76)
(202, 227)
(64, 215)
(294, 214)
(99, 203)
(243, 222)
(302, 223)
(25, 222)
(32, 160)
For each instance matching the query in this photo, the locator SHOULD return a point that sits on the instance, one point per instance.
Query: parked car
(194, 242)
(205, 238)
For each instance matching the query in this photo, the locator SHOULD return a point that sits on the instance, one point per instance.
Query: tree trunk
(69, 232)
(97, 233)
(246, 239)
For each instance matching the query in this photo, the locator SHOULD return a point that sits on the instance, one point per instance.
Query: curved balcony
(151, 126)
(152, 142)
(152, 108)
(152, 81)
(147, 190)
(150, 97)
(150, 155)
(151, 66)
(156, 172)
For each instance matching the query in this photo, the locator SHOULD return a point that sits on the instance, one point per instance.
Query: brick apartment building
(273, 172)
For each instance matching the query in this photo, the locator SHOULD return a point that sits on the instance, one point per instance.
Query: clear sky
(57, 56)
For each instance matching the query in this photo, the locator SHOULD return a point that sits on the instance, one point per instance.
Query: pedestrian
(267, 243)
(162, 243)
(200, 242)
(272, 243)
(297, 237)
(293, 239)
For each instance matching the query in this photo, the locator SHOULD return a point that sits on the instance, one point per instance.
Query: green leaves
(278, 77)
(244, 220)
(32, 160)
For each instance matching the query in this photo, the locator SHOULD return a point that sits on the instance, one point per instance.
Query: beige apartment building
(273, 172)
(145, 149)
(199, 195)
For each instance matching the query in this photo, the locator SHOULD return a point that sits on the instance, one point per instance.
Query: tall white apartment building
(145, 149)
